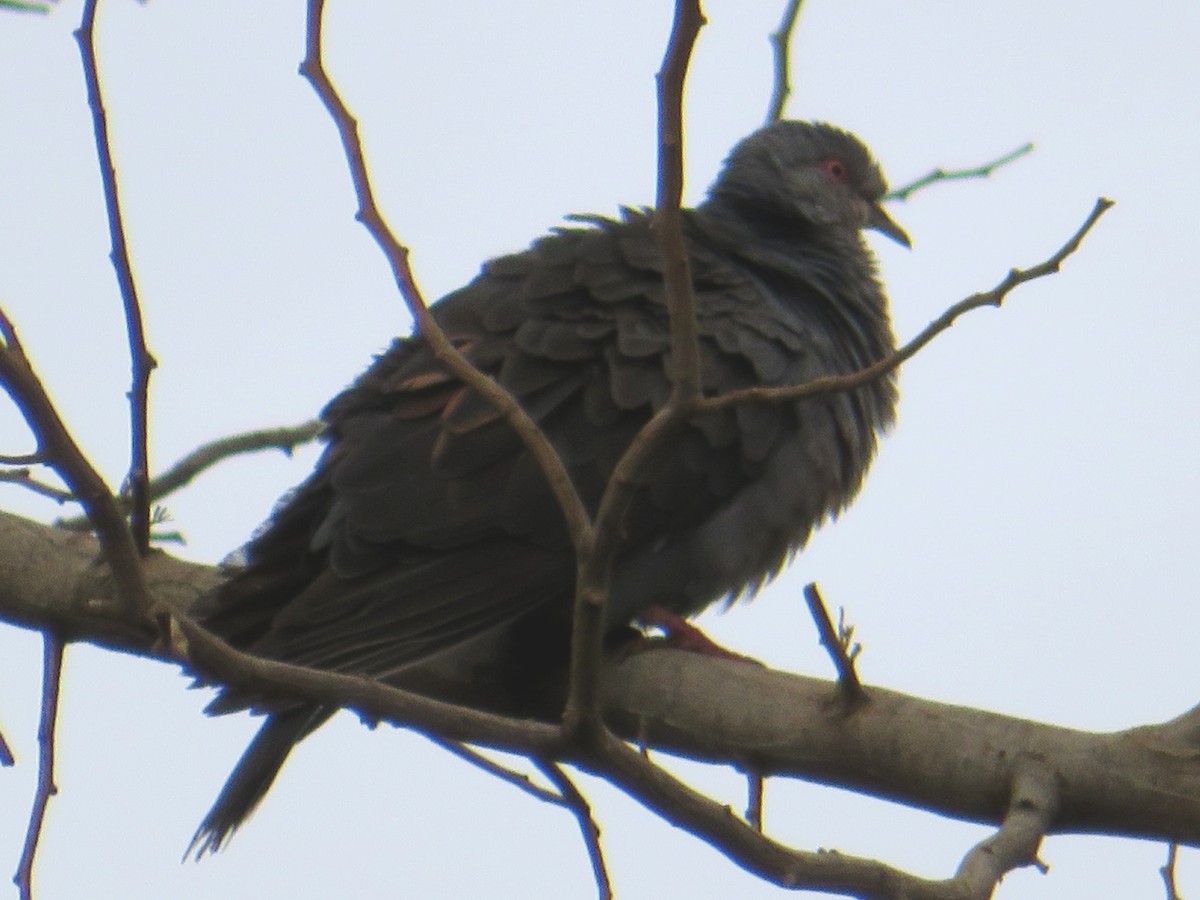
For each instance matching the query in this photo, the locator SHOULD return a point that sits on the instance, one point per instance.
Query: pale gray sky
(1025, 542)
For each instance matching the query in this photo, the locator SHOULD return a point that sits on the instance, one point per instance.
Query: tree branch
(573, 800)
(27, 7)
(519, 780)
(1030, 816)
(668, 217)
(1142, 782)
(995, 297)
(1167, 871)
(51, 677)
(24, 478)
(781, 41)
(142, 362)
(204, 457)
(904, 192)
(397, 255)
(849, 686)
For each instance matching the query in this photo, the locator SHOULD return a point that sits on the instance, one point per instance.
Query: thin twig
(23, 6)
(286, 439)
(847, 678)
(312, 68)
(141, 360)
(212, 658)
(577, 803)
(1167, 871)
(24, 478)
(755, 784)
(720, 827)
(51, 675)
(939, 174)
(781, 41)
(12, 341)
(994, 297)
(21, 459)
(204, 457)
(6, 755)
(519, 780)
(668, 216)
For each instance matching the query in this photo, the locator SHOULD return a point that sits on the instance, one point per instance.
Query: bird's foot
(681, 634)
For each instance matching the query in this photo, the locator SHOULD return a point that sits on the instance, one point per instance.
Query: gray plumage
(427, 528)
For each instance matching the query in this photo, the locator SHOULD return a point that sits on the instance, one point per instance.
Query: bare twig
(204, 457)
(212, 658)
(286, 439)
(51, 673)
(994, 297)
(142, 362)
(721, 828)
(848, 683)
(755, 784)
(668, 217)
(1167, 871)
(566, 796)
(11, 344)
(781, 41)
(23, 6)
(312, 68)
(939, 174)
(21, 459)
(208, 455)
(519, 780)
(577, 803)
(24, 478)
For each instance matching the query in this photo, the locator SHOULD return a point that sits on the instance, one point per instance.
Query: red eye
(835, 169)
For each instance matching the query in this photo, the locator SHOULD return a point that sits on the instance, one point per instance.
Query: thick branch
(1144, 782)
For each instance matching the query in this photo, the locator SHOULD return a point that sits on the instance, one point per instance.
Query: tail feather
(253, 776)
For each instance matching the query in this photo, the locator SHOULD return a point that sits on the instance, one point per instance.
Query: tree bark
(1143, 782)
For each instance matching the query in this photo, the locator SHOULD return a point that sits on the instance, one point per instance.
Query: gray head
(809, 173)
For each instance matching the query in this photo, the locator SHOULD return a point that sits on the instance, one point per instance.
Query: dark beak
(881, 221)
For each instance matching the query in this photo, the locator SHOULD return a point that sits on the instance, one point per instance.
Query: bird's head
(810, 173)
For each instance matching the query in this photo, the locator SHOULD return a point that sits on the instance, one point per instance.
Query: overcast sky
(1025, 542)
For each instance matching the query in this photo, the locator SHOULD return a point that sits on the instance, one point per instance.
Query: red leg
(680, 633)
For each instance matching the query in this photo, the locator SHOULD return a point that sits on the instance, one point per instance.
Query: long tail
(253, 775)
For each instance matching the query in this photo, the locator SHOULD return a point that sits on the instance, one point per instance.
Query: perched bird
(427, 530)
